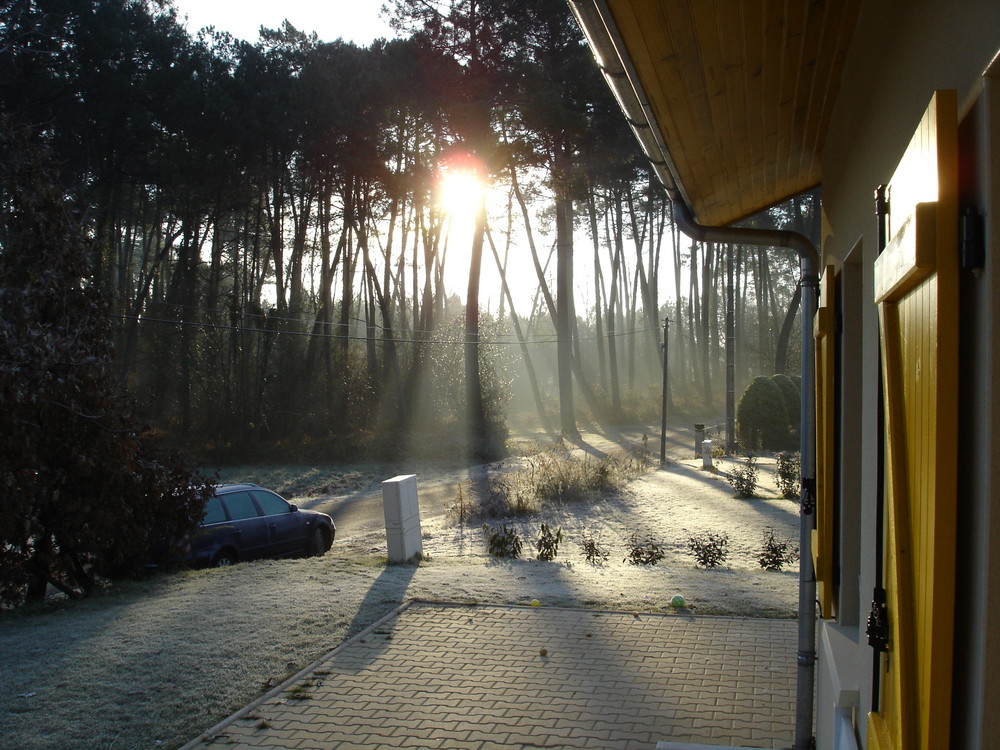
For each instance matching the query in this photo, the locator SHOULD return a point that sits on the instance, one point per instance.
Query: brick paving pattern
(455, 676)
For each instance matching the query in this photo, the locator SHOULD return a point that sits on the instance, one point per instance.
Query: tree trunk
(473, 381)
(564, 309)
(781, 350)
(705, 336)
(598, 292)
(730, 350)
(612, 316)
(543, 286)
(543, 417)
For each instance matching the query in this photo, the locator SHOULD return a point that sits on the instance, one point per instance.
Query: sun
(460, 192)
(461, 185)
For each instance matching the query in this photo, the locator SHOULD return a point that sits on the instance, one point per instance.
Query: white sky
(354, 20)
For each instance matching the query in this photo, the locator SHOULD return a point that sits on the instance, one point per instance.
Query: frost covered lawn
(152, 664)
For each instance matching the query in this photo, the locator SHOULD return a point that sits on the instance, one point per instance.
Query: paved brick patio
(437, 675)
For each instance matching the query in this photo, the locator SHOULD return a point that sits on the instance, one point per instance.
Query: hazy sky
(354, 20)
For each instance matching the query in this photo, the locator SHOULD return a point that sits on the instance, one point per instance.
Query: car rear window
(213, 511)
(270, 504)
(240, 506)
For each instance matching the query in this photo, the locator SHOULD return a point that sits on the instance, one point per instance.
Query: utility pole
(730, 351)
(665, 395)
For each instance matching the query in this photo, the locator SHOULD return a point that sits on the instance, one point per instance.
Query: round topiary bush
(792, 394)
(761, 416)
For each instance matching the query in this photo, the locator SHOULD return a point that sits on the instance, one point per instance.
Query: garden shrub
(593, 551)
(503, 543)
(792, 395)
(788, 473)
(775, 555)
(643, 551)
(744, 479)
(548, 543)
(761, 417)
(709, 550)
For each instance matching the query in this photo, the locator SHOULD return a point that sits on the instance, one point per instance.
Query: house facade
(893, 108)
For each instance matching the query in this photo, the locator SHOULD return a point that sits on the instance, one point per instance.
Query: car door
(286, 528)
(249, 527)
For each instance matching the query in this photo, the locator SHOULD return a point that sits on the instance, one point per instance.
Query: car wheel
(224, 558)
(317, 544)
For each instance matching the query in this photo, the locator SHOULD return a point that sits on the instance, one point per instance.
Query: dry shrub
(554, 476)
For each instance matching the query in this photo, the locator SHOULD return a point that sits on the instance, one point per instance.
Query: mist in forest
(286, 273)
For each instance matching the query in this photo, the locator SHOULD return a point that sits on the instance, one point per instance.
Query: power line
(348, 337)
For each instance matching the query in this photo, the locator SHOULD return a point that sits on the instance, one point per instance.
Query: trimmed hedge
(791, 391)
(761, 417)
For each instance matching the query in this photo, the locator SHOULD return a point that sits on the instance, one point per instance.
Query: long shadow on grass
(630, 440)
(766, 509)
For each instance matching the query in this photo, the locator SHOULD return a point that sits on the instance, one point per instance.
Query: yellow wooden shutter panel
(916, 289)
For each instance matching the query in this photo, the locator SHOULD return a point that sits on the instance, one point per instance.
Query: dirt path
(352, 495)
(668, 507)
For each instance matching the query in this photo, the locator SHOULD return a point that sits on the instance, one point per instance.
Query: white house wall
(901, 53)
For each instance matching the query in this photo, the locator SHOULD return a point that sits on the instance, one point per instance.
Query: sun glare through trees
(285, 234)
(461, 189)
(460, 193)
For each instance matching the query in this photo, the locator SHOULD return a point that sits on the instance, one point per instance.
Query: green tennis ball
(535, 603)
(677, 601)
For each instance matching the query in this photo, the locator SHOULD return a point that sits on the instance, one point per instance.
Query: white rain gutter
(597, 23)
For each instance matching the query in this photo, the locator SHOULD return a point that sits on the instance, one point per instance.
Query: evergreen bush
(792, 395)
(503, 543)
(775, 554)
(787, 473)
(761, 416)
(709, 550)
(643, 551)
(593, 551)
(744, 478)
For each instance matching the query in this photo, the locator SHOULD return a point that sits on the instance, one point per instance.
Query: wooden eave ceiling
(741, 91)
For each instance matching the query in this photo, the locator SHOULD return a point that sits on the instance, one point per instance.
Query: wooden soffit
(740, 91)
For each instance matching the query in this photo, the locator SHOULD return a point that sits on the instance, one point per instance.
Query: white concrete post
(706, 454)
(402, 518)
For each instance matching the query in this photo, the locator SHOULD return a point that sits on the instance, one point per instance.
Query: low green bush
(709, 550)
(548, 543)
(744, 479)
(774, 554)
(503, 543)
(791, 394)
(643, 551)
(593, 551)
(788, 474)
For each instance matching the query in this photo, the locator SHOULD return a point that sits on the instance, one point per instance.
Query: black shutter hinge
(808, 500)
(878, 622)
(972, 249)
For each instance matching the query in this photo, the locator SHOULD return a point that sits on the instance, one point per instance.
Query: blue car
(248, 522)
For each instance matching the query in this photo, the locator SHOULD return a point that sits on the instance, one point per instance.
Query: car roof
(224, 489)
